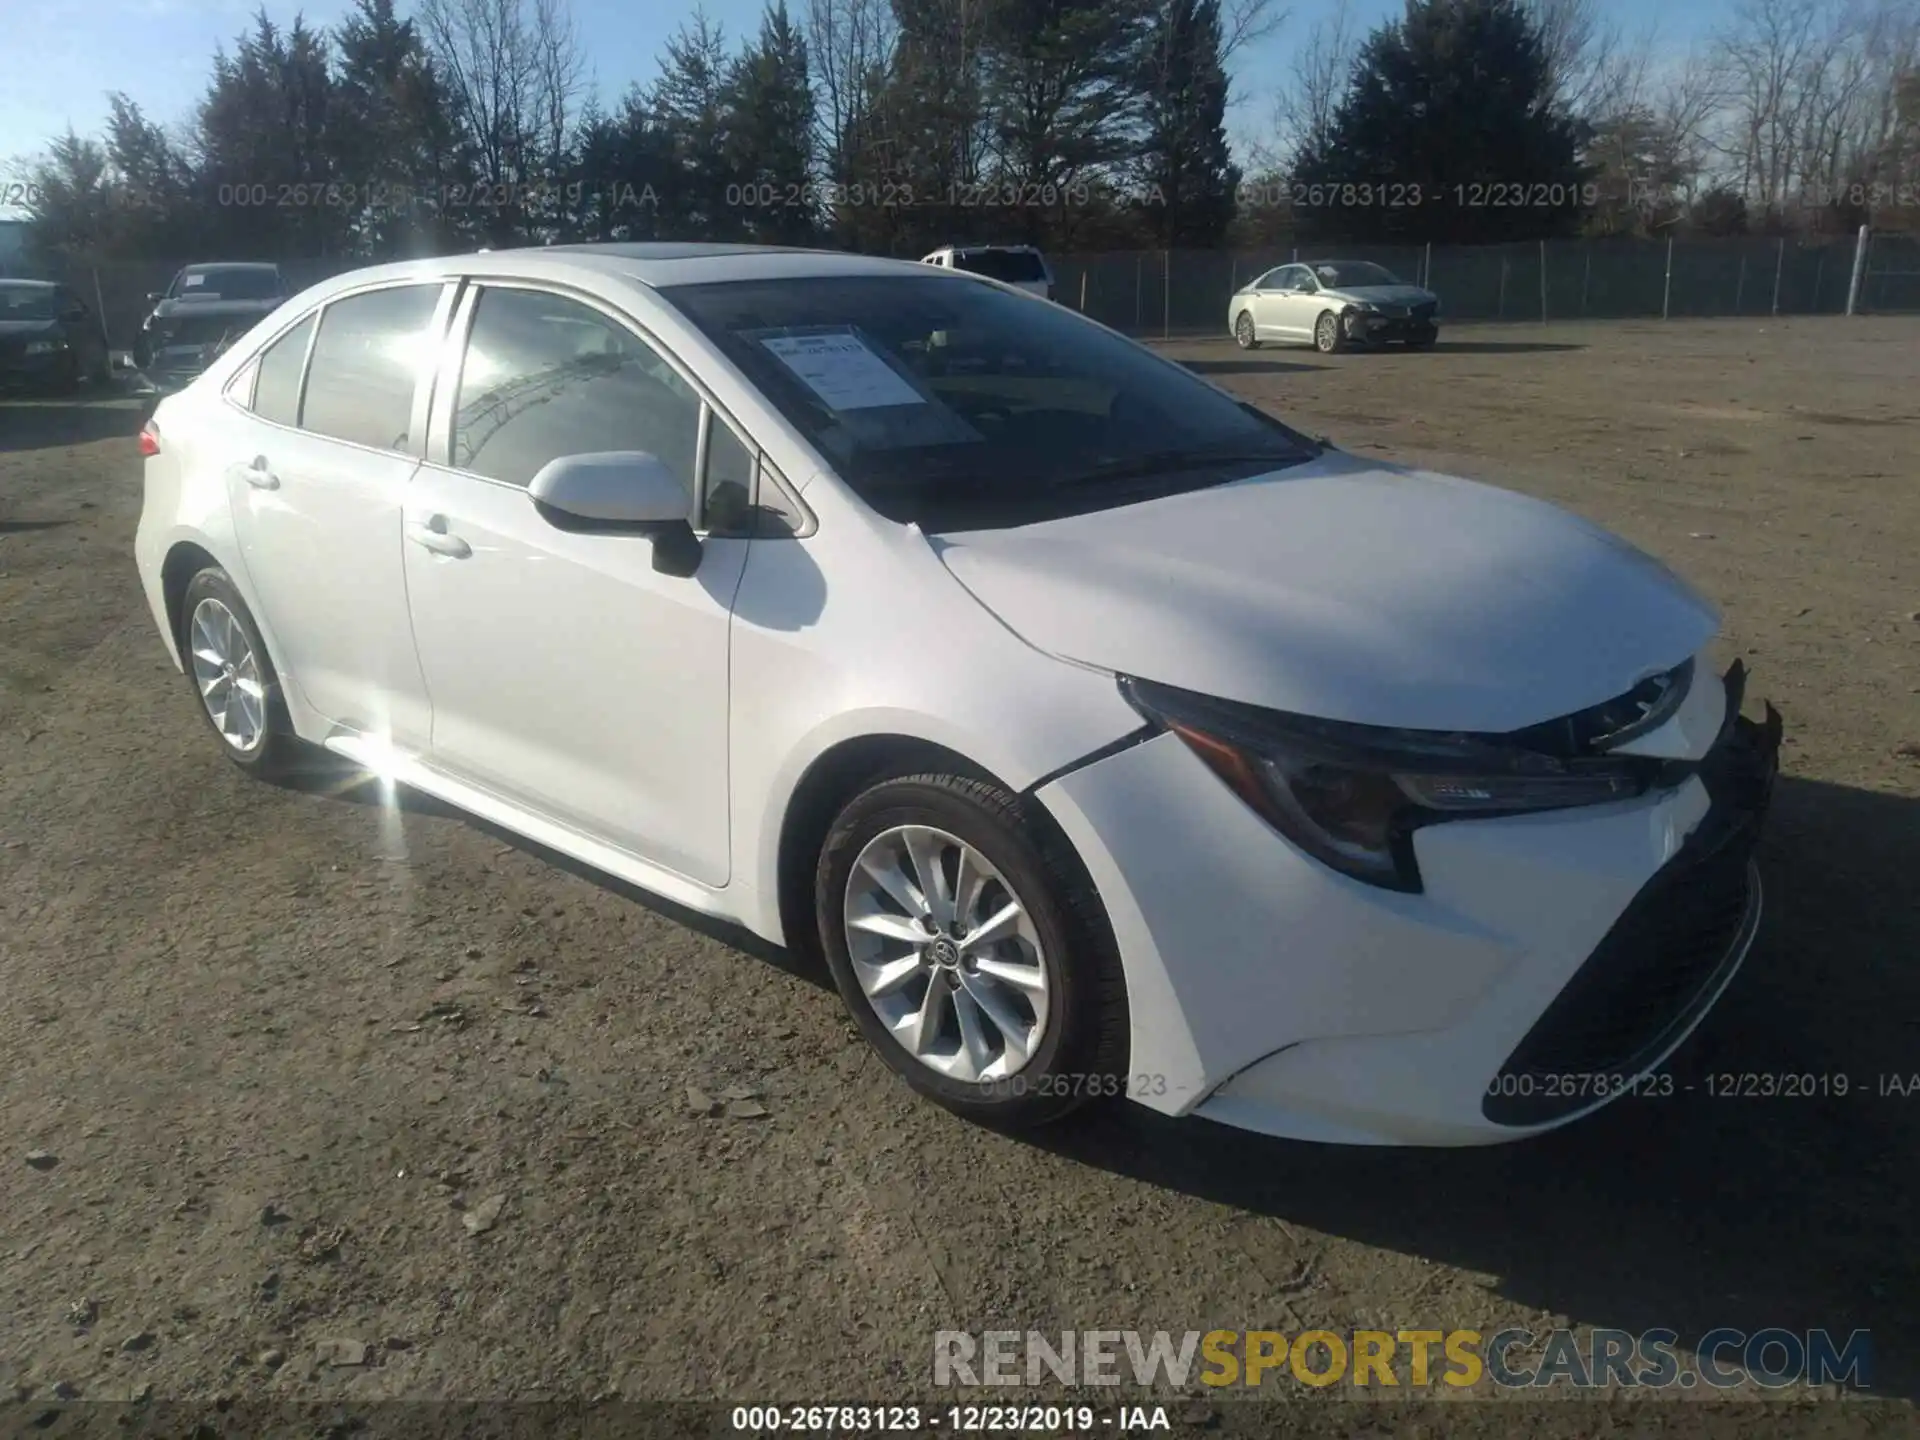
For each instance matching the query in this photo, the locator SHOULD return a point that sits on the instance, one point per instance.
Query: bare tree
(850, 44)
(1591, 66)
(514, 74)
(1315, 84)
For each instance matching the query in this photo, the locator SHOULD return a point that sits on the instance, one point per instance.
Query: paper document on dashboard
(843, 372)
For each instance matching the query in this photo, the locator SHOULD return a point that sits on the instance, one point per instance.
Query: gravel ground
(294, 1079)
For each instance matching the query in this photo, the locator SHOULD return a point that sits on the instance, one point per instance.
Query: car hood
(1381, 295)
(1347, 591)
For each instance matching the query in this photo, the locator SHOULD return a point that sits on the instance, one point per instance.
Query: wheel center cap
(944, 954)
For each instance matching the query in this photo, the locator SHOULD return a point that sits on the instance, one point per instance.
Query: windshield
(26, 302)
(1012, 266)
(1347, 274)
(228, 282)
(963, 406)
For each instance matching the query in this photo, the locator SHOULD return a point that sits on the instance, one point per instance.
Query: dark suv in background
(49, 338)
(205, 309)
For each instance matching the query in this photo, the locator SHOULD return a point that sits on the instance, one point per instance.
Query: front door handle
(259, 475)
(439, 541)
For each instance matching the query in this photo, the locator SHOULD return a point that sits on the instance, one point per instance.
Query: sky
(60, 66)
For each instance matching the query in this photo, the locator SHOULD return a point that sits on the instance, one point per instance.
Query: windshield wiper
(1174, 462)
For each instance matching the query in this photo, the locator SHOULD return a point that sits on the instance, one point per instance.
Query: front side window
(546, 376)
(964, 406)
(367, 359)
(276, 387)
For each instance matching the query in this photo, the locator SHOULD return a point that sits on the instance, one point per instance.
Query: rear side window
(276, 391)
(366, 361)
(1011, 266)
(545, 376)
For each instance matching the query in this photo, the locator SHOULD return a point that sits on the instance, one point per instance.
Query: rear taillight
(149, 439)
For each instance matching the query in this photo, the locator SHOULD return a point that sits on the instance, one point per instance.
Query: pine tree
(1449, 132)
(1186, 175)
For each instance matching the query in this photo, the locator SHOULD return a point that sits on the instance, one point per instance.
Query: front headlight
(45, 347)
(1352, 796)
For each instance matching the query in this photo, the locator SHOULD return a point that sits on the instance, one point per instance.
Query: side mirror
(154, 297)
(620, 492)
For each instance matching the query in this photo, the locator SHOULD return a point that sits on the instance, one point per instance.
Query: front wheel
(976, 960)
(1328, 338)
(1243, 332)
(1422, 342)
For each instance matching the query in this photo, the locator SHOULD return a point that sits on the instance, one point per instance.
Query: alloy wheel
(228, 674)
(1326, 335)
(946, 954)
(1243, 330)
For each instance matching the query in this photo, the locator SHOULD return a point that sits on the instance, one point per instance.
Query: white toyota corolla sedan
(1107, 735)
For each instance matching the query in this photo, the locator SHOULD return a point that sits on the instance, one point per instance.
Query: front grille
(1659, 964)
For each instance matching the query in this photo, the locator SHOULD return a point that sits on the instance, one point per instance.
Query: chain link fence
(1185, 292)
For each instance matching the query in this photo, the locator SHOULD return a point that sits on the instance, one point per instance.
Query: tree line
(894, 126)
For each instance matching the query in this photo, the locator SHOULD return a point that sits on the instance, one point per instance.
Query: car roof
(655, 265)
(228, 265)
(27, 284)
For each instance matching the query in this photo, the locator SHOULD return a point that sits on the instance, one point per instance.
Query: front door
(568, 676)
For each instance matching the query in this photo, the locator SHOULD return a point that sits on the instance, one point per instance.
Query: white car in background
(1106, 734)
(1331, 304)
(1020, 266)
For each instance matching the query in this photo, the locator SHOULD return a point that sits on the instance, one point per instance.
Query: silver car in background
(1331, 304)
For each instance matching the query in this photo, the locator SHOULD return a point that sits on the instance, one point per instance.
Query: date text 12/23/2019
(952, 1419)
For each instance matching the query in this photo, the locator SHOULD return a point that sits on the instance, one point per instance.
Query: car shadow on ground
(337, 779)
(46, 423)
(1447, 346)
(21, 527)
(1690, 1211)
(1248, 365)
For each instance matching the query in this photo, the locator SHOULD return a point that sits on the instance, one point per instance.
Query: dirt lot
(282, 1043)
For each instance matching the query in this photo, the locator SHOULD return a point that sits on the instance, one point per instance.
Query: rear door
(569, 676)
(317, 472)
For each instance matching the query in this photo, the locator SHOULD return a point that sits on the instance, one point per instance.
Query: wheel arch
(185, 559)
(856, 763)
(833, 778)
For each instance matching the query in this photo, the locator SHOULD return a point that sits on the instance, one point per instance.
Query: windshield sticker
(843, 372)
(191, 280)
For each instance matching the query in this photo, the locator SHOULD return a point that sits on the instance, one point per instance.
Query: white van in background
(1018, 265)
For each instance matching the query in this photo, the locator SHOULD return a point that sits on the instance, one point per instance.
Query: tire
(1328, 338)
(1243, 332)
(1425, 342)
(1073, 1041)
(257, 736)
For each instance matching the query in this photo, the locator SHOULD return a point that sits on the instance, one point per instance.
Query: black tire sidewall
(1058, 1077)
(272, 754)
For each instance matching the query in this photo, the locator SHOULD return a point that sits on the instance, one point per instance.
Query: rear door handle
(438, 541)
(259, 475)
